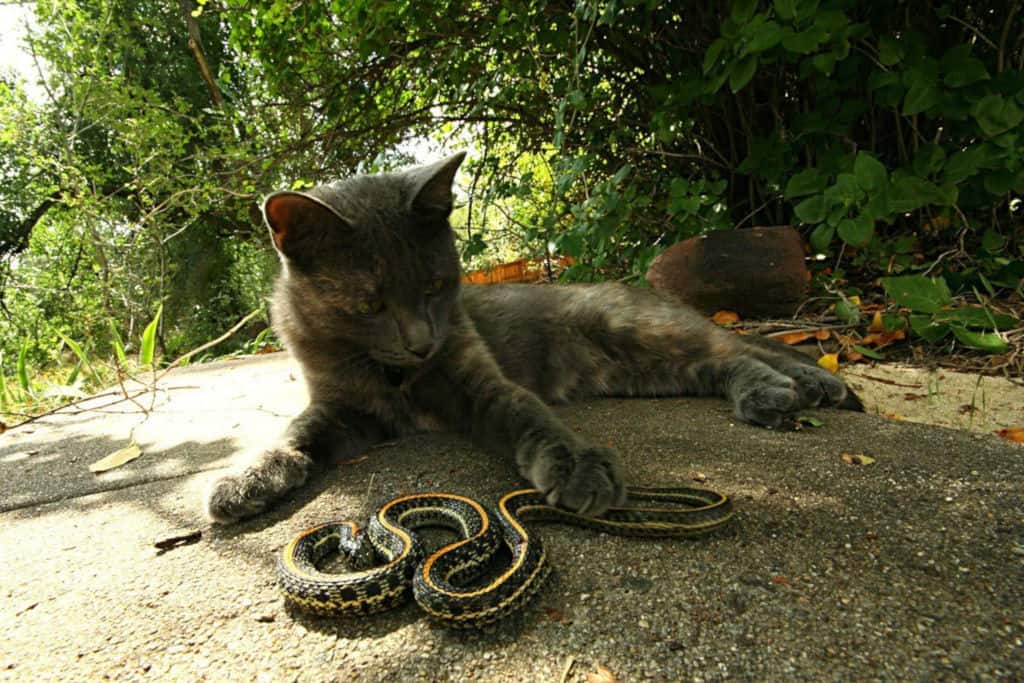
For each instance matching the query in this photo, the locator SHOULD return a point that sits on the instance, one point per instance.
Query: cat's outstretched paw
(585, 480)
(250, 490)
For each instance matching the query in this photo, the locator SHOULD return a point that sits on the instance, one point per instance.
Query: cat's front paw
(250, 490)
(586, 480)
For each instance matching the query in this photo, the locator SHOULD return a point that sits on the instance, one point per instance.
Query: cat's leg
(572, 473)
(512, 420)
(319, 431)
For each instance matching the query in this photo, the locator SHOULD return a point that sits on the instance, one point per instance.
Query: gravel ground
(909, 568)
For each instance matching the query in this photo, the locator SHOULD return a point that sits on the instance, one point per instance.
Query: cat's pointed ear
(298, 222)
(432, 189)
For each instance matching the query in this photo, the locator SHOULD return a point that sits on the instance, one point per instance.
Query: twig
(207, 345)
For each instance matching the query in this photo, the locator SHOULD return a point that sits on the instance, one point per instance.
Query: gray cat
(369, 303)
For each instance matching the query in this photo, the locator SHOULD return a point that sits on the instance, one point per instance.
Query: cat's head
(371, 260)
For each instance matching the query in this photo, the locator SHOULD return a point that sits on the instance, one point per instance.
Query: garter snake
(443, 582)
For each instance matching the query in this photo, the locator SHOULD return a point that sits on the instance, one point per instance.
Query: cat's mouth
(406, 360)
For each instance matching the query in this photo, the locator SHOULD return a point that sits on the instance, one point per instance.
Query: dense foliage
(601, 129)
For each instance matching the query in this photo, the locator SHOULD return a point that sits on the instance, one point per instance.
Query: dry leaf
(3, 427)
(877, 325)
(725, 318)
(781, 580)
(355, 461)
(822, 335)
(1013, 434)
(894, 416)
(117, 458)
(830, 361)
(856, 459)
(854, 356)
(880, 339)
(602, 675)
(794, 337)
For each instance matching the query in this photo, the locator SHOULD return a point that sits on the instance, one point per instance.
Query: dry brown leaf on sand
(856, 459)
(117, 458)
(602, 675)
(1012, 434)
(725, 318)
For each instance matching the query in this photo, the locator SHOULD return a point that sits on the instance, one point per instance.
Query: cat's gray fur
(369, 303)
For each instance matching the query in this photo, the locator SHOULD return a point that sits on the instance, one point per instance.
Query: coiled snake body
(445, 583)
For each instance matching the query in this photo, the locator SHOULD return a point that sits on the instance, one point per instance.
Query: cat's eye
(436, 286)
(369, 306)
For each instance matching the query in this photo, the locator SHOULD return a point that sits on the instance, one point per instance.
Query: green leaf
(821, 238)
(922, 96)
(743, 10)
(966, 72)
(996, 114)
(992, 241)
(870, 172)
(847, 312)
(804, 42)
(991, 342)
(23, 369)
(925, 327)
(621, 174)
(963, 165)
(807, 181)
(118, 345)
(890, 51)
(148, 345)
(857, 232)
(4, 400)
(713, 53)
(810, 421)
(918, 293)
(766, 37)
(70, 381)
(975, 316)
(870, 353)
(741, 72)
(77, 350)
(910, 193)
(811, 210)
(786, 9)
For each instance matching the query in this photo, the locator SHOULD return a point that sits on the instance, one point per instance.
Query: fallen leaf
(725, 318)
(881, 339)
(854, 356)
(555, 615)
(877, 325)
(855, 299)
(794, 337)
(355, 461)
(3, 427)
(1013, 434)
(894, 416)
(602, 675)
(856, 459)
(781, 580)
(809, 421)
(830, 361)
(822, 335)
(117, 458)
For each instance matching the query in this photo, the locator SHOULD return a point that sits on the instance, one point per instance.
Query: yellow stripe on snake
(443, 583)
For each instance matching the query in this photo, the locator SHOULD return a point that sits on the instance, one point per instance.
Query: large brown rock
(755, 272)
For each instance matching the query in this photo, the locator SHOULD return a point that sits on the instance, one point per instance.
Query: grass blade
(23, 370)
(117, 343)
(149, 339)
(70, 381)
(4, 401)
(78, 351)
